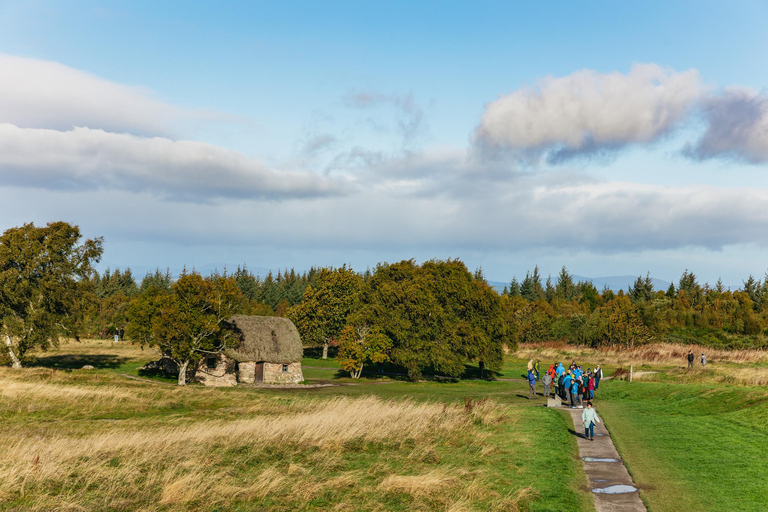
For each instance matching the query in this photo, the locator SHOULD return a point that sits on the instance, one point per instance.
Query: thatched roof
(271, 339)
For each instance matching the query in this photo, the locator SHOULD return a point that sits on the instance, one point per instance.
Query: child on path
(589, 417)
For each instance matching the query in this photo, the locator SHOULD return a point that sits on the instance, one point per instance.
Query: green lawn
(697, 447)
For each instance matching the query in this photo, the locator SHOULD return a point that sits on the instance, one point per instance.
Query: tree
(362, 344)
(437, 315)
(588, 294)
(188, 321)
(642, 290)
(162, 280)
(514, 288)
(531, 288)
(690, 286)
(42, 271)
(565, 287)
(322, 314)
(623, 325)
(549, 291)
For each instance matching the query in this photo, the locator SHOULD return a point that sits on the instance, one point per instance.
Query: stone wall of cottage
(275, 373)
(222, 373)
(246, 372)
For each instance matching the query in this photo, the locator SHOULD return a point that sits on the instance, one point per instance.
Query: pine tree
(565, 288)
(514, 288)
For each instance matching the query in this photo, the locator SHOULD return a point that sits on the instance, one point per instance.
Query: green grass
(701, 446)
(514, 457)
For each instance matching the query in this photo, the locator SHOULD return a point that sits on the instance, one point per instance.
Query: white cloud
(83, 158)
(736, 126)
(427, 213)
(43, 94)
(587, 112)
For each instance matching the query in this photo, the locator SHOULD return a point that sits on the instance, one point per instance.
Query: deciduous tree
(322, 314)
(362, 344)
(42, 272)
(188, 321)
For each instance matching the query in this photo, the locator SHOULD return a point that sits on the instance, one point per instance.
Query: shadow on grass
(160, 375)
(77, 361)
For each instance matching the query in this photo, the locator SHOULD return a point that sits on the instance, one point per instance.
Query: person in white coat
(589, 417)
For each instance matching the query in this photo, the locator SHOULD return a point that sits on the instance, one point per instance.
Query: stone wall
(274, 373)
(217, 371)
(246, 372)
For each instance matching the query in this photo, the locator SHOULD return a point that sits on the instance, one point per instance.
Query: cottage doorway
(259, 376)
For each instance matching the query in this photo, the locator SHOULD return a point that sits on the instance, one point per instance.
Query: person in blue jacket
(559, 369)
(574, 392)
(567, 385)
(532, 383)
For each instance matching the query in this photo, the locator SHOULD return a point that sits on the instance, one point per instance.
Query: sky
(614, 138)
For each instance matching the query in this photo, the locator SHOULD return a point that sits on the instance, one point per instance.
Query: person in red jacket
(591, 386)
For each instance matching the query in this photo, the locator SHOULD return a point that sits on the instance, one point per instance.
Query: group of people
(573, 385)
(703, 359)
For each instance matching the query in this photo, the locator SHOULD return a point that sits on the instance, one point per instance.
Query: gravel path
(609, 480)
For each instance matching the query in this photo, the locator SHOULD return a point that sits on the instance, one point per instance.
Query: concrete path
(609, 480)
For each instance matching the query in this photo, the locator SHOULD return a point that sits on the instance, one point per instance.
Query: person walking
(598, 376)
(567, 387)
(532, 384)
(536, 368)
(690, 359)
(547, 381)
(703, 360)
(589, 417)
(122, 334)
(591, 386)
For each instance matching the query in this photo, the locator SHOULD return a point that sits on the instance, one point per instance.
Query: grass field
(109, 439)
(700, 445)
(78, 439)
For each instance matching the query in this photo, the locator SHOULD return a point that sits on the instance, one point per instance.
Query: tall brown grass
(286, 452)
(656, 353)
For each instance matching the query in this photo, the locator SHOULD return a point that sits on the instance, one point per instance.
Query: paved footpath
(609, 480)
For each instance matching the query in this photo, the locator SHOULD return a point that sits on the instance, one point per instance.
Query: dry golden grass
(427, 484)
(657, 353)
(183, 464)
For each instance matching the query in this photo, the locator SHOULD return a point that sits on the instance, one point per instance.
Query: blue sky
(614, 138)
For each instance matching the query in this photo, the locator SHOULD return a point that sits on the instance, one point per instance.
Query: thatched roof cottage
(269, 351)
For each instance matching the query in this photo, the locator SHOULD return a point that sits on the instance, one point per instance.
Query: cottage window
(285, 368)
(210, 362)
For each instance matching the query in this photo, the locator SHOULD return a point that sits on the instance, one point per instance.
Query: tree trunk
(16, 363)
(325, 349)
(357, 372)
(183, 373)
